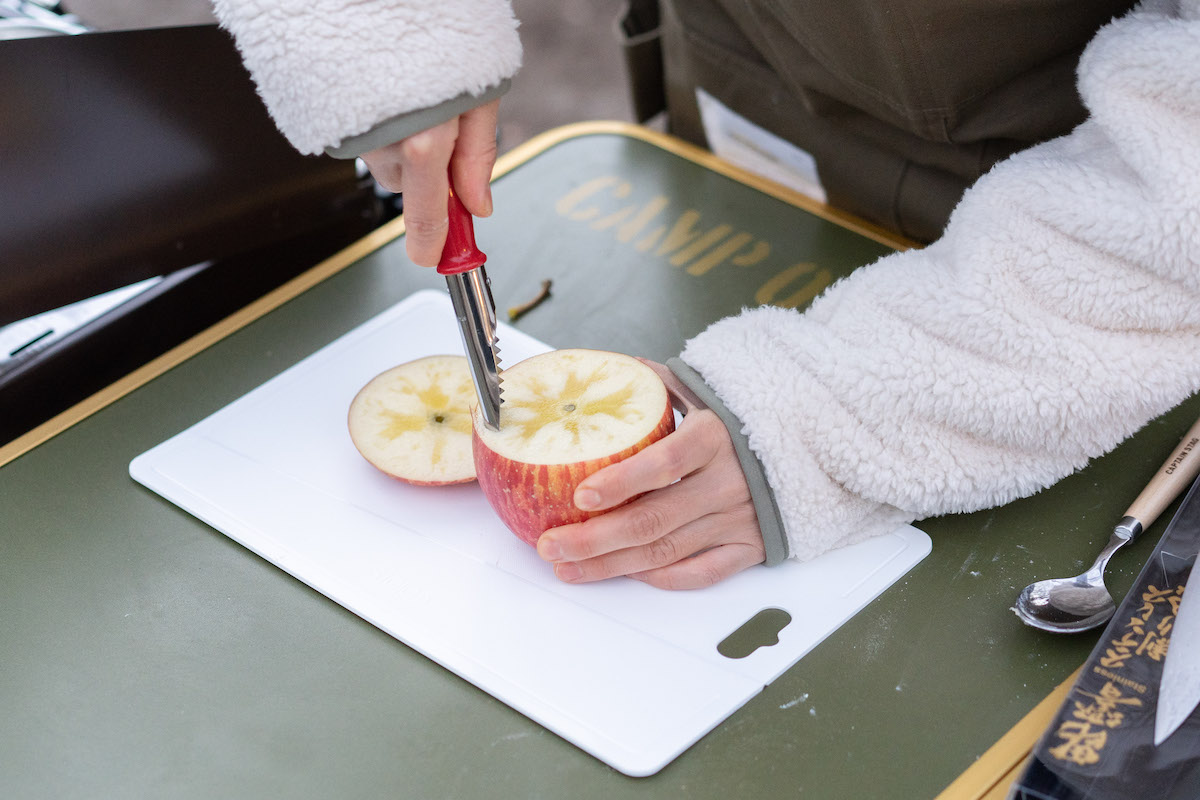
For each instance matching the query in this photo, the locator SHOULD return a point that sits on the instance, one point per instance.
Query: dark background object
(133, 154)
(129, 154)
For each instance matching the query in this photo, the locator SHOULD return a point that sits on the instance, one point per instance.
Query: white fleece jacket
(331, 69)
(1058, 314)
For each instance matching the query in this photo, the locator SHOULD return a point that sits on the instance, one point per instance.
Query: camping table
(147, 655)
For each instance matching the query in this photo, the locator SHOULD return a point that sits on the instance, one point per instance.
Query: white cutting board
(627, 672)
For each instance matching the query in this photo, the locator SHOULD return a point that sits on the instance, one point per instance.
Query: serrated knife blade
(462, 264)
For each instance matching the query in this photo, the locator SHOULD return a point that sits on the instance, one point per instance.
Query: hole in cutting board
(761, 630)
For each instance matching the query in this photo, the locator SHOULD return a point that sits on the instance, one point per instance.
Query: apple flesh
(565, 415)
(413, 421)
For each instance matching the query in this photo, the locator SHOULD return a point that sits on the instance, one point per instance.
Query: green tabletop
(147, 655)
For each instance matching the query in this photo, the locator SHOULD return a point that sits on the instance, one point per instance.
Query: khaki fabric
(903, 103)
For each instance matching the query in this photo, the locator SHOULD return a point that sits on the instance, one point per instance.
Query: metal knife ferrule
(1129, 528)
(471, 294)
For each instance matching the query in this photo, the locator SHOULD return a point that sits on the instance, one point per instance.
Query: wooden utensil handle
(1175, 475)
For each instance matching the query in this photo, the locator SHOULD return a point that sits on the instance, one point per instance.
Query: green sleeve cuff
(402, 126)
(770, 523)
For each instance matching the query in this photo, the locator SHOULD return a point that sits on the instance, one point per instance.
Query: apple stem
(517, 311)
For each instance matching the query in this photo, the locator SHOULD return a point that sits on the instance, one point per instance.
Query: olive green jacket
(903, 103)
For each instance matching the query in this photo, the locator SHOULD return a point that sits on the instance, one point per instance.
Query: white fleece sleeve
(330, 69)
(1059, 313)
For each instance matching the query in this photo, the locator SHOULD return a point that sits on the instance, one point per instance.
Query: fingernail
(549, 549)
(568, 571)
(587, 499)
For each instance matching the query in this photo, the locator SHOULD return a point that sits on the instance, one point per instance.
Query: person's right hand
(421, 166)
(691, 522)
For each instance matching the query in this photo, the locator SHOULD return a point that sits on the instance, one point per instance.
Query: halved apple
(565, 415)
(413, 421)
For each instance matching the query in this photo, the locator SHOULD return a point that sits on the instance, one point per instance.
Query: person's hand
(421, 167)
(694, 526)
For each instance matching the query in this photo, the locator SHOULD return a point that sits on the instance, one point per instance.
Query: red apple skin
(532, 498)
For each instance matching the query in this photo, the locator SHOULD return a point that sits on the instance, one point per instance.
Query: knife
(461, 262)
(1179, 689)
(471, 294)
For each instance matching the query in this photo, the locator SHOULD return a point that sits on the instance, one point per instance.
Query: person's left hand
(695, 525)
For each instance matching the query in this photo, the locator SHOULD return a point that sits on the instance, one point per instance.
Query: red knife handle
(460, 253)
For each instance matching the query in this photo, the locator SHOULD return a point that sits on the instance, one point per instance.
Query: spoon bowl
(1065, 604)
(1075, 604)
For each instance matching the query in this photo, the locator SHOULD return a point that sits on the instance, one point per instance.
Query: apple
(413, 421)
(565, 414)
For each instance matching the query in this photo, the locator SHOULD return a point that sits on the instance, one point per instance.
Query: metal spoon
(1069, 605)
